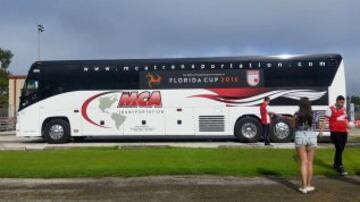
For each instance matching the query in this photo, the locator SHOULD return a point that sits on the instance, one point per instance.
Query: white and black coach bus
(183, 96)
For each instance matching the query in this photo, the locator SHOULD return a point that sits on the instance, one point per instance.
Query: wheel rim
(249, 130)
(56, 132)
(281, 130)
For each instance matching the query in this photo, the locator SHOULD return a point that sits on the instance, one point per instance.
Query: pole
(40, 29)
(38, 45)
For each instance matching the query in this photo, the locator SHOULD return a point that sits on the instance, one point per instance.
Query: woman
(305, 143)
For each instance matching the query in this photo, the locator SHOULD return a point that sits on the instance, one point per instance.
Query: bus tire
(57, 131)
(281, 131)
(248, 129)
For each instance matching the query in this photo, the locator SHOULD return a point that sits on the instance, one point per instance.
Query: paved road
(179, 188)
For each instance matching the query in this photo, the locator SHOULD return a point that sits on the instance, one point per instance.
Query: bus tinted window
(298, 77)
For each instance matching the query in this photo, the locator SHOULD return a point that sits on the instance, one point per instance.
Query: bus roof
(200, 59)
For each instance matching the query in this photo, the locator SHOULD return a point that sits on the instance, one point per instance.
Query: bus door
(30, 94)
(179, 121)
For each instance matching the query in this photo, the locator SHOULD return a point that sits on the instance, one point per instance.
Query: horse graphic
(153, 79)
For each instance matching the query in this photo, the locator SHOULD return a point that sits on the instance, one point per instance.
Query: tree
(5, 58)
(4, 83)
(356, 101)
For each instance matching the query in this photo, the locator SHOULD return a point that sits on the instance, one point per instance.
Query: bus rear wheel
(57, 131)
(248, 130)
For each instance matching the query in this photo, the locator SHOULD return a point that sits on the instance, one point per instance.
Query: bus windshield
(31, 87)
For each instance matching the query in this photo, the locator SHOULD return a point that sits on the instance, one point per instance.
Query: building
(16, 83)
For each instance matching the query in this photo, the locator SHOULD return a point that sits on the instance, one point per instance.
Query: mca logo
(142, 99)
(153, 79)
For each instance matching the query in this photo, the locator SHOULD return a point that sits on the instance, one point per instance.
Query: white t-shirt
(328, 113)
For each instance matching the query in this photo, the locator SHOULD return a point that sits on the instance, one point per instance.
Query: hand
(351, 125)
(321, 133)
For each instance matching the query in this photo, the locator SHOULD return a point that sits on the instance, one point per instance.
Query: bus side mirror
(22, 94)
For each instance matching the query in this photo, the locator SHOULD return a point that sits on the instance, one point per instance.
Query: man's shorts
(305, 138)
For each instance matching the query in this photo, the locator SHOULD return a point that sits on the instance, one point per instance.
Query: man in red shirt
(265, 120)
(338, 123)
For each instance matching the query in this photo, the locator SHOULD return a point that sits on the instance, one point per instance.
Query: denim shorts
(305, 138)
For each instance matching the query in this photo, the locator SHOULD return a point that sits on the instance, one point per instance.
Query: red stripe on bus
(237, 92)
(85, 106)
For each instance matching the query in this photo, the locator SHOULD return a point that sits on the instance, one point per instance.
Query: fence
(7, 124)
(7, 118)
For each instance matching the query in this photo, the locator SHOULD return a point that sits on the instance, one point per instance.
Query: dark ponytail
(304, 115)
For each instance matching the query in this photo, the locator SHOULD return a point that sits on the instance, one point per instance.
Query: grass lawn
(99, 162)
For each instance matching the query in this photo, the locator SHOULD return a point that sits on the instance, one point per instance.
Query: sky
(115, 29)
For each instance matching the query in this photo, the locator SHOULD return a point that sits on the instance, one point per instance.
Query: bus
(65, 100)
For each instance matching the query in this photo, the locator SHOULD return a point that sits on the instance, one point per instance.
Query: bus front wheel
(281, 131)
(248, 129)
(57, 131)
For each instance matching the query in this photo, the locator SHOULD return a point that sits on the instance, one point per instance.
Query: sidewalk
(180, 188)
(8, 141)
(11, 142)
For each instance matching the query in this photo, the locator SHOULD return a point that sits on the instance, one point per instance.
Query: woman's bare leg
(310, 158)
(302, 154)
